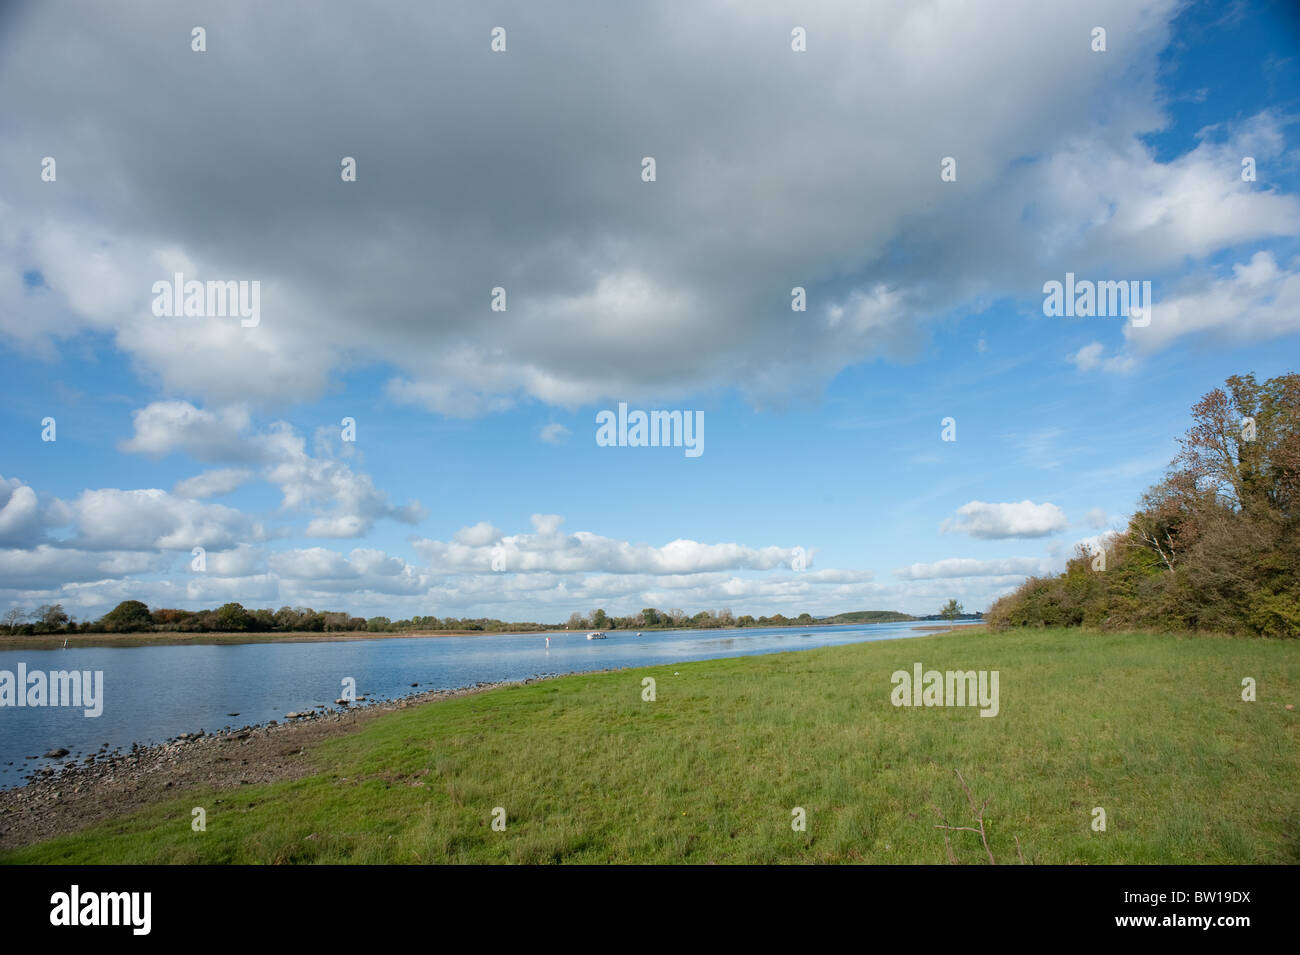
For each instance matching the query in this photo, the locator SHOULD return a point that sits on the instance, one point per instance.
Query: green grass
(1151, 728)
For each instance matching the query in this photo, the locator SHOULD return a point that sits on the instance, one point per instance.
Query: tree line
(1214, 546)
(134, 616)
(652, 618)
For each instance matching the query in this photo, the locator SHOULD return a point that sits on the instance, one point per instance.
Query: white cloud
(997, 520)
(312, 563)
(166, 427)
(546, 524)
(318, 570)
(474, 549)
(1088, 357)
(1092, 356)
(370, 561)
(555, 433)
(47, 568)
(150, 518)
(480, 535)
(241, 561)
(20, 513)
(1260, 301)
(970, 567)
(213, 483)
(347, 503)
(344, 503)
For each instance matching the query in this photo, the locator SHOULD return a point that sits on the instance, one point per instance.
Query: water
(155, 693)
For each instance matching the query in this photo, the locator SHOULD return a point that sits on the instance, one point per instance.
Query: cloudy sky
(475, 484)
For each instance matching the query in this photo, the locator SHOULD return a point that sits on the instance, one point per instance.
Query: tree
(1244, 444)
(599, 619)
(951, 610)
(52, 616)
(13, 618)
(170, 618)
(130, 616)
(1168, 522)
(651, 616)
(232, 616)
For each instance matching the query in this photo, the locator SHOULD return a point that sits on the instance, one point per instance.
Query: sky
(376, 437)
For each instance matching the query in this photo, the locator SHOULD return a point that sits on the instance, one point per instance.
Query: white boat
(595, 635)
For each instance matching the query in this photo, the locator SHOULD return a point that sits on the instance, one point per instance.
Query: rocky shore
(109, 784)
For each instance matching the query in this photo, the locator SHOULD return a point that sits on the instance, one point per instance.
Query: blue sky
(475, 430)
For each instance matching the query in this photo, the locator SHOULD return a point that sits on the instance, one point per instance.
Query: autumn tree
(1244, 445)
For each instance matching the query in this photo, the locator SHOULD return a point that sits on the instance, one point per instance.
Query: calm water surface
(155, 693)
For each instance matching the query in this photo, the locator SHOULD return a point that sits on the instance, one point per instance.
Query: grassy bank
(1151, 728)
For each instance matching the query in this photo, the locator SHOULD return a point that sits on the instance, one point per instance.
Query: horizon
(613, 620)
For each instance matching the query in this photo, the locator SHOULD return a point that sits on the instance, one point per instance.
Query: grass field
(1152, 729)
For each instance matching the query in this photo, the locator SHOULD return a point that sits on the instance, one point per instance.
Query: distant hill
(868, 616)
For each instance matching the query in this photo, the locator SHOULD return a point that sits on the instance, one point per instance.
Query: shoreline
(116, 783)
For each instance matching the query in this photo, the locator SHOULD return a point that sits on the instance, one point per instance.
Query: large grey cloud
(521, 169)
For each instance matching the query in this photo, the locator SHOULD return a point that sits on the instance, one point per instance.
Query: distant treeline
(1215, 546)
(133, 616)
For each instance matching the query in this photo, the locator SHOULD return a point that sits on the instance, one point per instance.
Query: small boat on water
(596, 635)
